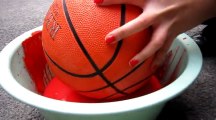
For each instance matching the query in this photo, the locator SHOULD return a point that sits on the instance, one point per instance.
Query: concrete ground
(18, 16)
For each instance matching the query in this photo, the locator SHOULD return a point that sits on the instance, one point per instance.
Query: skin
(168, 18)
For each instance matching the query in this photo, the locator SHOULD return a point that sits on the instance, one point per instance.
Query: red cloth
(34, 59)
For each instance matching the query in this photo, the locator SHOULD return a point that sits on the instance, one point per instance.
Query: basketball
(73, 39)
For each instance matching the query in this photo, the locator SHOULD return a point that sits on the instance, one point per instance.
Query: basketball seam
(127, 88)
(86, 52)
(67, 72)
(97, 89)
(118, 80)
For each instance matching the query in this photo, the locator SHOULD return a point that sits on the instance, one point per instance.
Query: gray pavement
(19, 16)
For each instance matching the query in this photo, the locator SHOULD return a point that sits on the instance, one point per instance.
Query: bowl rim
(11, 86)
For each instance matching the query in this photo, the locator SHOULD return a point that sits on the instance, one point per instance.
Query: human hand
(168, 18)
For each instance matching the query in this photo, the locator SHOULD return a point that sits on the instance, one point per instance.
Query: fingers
(161, 55)
(157, 41)
(109, 2)
(160, 39)
(140, 23)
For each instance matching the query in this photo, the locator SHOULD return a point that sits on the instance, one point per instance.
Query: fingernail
(110, 39)
(133, 62)
(98, 1)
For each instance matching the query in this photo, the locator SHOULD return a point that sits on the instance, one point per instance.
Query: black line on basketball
(67, 72)
(133, 85)
(94, 73)
(137, 83)
(91, 74)
(116, 81)
(86, 52)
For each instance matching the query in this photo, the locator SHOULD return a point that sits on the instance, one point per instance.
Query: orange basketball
(73, 41)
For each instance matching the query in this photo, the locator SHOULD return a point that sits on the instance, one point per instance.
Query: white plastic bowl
(186, 65)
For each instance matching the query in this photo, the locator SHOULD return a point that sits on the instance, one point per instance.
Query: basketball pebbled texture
(73, 42)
